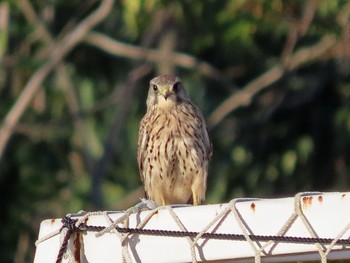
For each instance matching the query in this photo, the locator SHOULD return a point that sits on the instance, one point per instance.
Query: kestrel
(174, 146)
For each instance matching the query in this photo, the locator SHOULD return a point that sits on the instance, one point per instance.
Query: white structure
(307, 215)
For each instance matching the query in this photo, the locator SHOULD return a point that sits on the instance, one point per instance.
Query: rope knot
(70, 224)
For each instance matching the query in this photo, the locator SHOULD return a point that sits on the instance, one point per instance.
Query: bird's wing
(205, 133)
(142, 145)
(208, 142)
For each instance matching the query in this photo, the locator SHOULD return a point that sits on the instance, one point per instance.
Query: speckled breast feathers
(174, 146)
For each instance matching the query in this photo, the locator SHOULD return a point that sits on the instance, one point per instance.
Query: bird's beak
(166, 92)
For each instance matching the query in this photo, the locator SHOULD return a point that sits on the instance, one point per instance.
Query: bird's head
(166, 91)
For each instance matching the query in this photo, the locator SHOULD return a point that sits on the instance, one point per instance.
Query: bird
(174, 145)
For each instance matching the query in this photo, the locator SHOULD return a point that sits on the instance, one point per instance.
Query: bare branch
(299, 30)
(120, 49)
(329, 47)
(62, 76)
(4, 23)
(308, 15)
(306, 55)
(244, 97)
(58, 53)
(31, 16)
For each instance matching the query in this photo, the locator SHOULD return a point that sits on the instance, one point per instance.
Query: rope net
(137, 221)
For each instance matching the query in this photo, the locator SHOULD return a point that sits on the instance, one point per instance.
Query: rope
(70, 223)
(242, 225)
(299, 211)
(222, 236)
(121, 228)
(219, 236)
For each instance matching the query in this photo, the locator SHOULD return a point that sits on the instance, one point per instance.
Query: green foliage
(292, 136)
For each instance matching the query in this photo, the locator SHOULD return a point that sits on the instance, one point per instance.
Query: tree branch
(62, 76)
(244, 97)
(120, 49)
(327, 48)
(31, 17)
(59, 51)
(299, 29)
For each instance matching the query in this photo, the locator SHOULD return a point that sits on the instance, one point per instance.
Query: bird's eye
(176, 87)
(154, 87)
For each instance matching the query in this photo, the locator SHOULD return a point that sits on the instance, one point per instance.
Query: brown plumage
(174, 147)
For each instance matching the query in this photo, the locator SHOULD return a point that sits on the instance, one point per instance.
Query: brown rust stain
(53, 220)
(77, 247)
(320, 199)
(253, 206)
(307, 201)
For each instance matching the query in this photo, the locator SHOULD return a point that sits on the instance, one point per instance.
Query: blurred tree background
(272, 78)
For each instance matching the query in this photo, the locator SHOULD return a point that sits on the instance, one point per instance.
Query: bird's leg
(163, 201)
(195, 198)
(198, 190)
